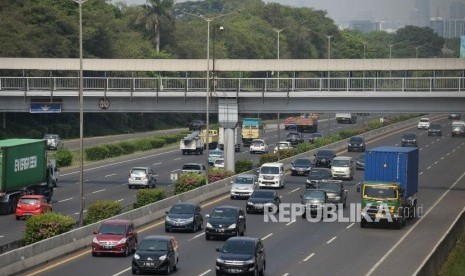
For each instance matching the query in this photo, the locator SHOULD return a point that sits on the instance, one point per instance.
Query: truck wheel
(363, 223)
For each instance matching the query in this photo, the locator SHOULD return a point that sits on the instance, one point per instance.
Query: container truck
(390, 186)
(307, 122)
(24, 169)
(346, 118)
(191, 144)
(252, 128)
(212, 138)
(237, 141)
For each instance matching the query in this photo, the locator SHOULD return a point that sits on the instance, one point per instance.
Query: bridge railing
(161, 84)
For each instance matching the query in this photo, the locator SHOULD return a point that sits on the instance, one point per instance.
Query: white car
(283, 145)
(423, 123)
(219, 163)
(258, 145)
(141, 177)
(243, 186)
(271, 175)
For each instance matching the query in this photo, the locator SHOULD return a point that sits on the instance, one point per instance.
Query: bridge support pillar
(228, 118)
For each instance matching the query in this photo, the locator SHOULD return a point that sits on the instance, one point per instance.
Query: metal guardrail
(172, 84)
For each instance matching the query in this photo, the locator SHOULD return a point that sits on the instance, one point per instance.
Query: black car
(316, 175)
(435, 129)
(241, 256)
(225, 221)
(356, 143)
(295, 138)
(454, 116)
(360, 162)
(184, 216)
(409, 139)
(301, 166)
(315, 136)
(335, 191)
(314, 200)
(156, 253)
(323, 158)
(261, 199)
(196, 125)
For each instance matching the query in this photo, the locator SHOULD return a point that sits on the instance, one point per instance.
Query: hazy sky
(378, 10)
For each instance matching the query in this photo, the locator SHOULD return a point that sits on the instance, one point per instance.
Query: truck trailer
(192, 144)
(390, 186)
(307, 122)
(24, 169)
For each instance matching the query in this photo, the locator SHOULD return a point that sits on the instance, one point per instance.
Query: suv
(196, 125)
(316, 175)
(271, 175)
(282, 145)
(156, 253)
(244, 255)
(53, 141)
(184, 216)
(314, 200)
(423, 123)
(435, 129)
(141, 177)
(258, 145)
(409, 139)
(116, 236)
(261, 199)
(225, 221)
(335, 191)
(243, 185)
(295, 138)
(343, 167)
(194, 168)
(356, 143)
(301, 166)
(323, 158)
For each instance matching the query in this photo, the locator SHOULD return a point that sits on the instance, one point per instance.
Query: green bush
(114, 150)
(273, 157)
(216, 174)
(344, 134)
(157, 142)
(188, 181)
(148, 196)
(63, 157)
(243, 166)
(127, 147)
(46, 225)
(96, 153)
(143, 145)
(102, 209)
(171, 138)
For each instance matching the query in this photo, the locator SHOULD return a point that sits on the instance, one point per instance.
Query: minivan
(271, 175)
(343, 167)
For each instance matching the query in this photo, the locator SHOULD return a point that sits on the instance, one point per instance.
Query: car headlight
(162, 258)
(168, 219)
(337, 198)
(232, 226)
(293, 168)
(249, 203)
(403, 140)
(136, 256)
(308, 168)
(122, 241)
(209, 225)
(191, 219)
(95, 240)
(219, 260)
(250, 261)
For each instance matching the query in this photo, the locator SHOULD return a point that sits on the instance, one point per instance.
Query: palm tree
(152, 13)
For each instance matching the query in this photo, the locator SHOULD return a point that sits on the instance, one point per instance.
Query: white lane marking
(435, 163)
(350, 225)
(421, 173)
(179, 158)
(267, 236)
(295, 190)
(77, 213)
(122, 271)
(285, 274)
(98, 191)
(195, 237)
(175, 170)
(158, 163)
(331, 240)
(119, 200)
(442, 158)
(108, 175)
(308, 257)
(1, 236)
(380, 261)
(289, 223)
(66, 199)
(429, 167)
(205, 273)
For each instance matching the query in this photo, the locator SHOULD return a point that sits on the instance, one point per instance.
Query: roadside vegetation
(455, 262)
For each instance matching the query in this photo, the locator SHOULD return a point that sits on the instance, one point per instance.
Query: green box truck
(24, 169)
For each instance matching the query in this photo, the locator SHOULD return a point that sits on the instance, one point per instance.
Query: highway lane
(300, 247)
(108, 179)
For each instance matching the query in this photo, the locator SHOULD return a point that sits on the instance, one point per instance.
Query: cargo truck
(212, 140)
(252, 128)
(346, 118)
(307, 122)
(191, 144)
(237, 141)
(24, 169)
(390, 186)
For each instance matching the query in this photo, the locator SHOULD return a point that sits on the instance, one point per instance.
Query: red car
(116, 236)
(32, 205)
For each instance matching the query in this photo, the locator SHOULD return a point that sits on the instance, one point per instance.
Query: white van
(271, 175)
(343, 167)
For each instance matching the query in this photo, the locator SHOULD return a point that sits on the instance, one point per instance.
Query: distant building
(450, 28)
(364, 26)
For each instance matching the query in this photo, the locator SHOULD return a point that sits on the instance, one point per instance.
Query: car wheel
(134, 271)
(194, 228)
(363, 223)
(126, 250)
(168, 269)
(94, 254)
(129, 186)
(232, 197)
(262, 272)
(167, 230)
(207, 237)
(18, 217)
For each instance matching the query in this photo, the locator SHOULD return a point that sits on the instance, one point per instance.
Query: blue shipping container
(393, 164)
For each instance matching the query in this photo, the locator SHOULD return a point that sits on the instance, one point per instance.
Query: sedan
(295, 138)
(258, 145)
(156, 253)
(32, 205)
(184, 216)
(282, 145)
(409, 139)
(360, 162)
(315, 136)
(356, 143)
(435, 129)
(323, 158)
(261, 199)
(316, 175)
(301, 166)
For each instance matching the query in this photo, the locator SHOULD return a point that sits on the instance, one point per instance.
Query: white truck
(191, 144)
(347, 118)
(237, 139)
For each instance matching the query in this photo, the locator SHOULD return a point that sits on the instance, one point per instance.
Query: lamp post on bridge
(329, 58)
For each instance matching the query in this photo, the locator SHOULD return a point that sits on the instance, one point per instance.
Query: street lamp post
(207, 106)
(329, 57)
(218, 28)
(81, 121)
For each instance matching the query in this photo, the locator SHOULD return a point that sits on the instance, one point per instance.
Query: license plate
(27, 214)
(149, 264)
(220, 230)
(137, 178)
(379, 215)
(107, 246)
(234, 270)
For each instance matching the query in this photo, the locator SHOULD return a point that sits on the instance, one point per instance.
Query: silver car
(141, 177)
(243, 186)
(53, 141)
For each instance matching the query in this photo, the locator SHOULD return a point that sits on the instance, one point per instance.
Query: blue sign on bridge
(45, 108)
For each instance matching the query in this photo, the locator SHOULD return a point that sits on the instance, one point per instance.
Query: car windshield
(112, 229)
(29, 201)
(316, 135)
(238, 247)
(269, 170)
(182, 209)
(224, 213)
(410, 136)
(424, 120)
(257, 143)
(303, 162)
(216, 153)
(435, 126)
(317, 173)
(262, 194)
(356, 140)
(293, 135)
(191, 167)
(340, 163)
(50, 136)
(380, 192)
(330, 187)
(153, 245)
(138, 171)
(283, 145)
(243, 180)
(314, 195)
(325, 153)
(219, 161)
